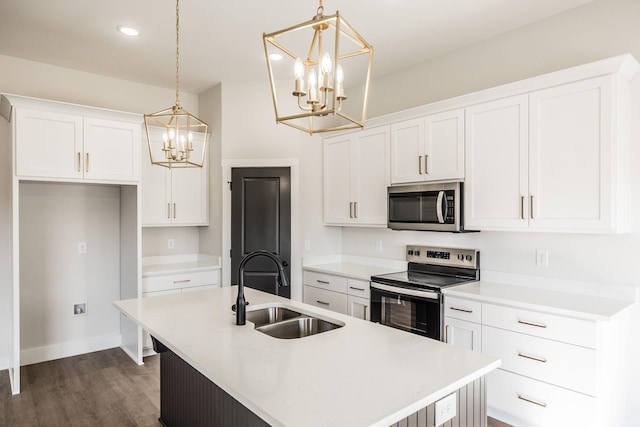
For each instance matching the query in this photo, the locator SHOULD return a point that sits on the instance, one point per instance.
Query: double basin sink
(286, 323)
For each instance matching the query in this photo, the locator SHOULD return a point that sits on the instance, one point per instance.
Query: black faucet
(241, 309)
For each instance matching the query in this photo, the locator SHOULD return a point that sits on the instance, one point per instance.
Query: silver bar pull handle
(182, 281)
(169, 210)
(79, 161)
(528, 356)
(322, 302)
(446, 334)
(537, 325)
(521, 207)
(86, 164)
(355, 209)
(439, 207)
(420, 165)
(531, 206)
(535, 402)
(426, 164)
(324, 282)
(174, 211)
(464, 310)
(356, 289)
(350, 209)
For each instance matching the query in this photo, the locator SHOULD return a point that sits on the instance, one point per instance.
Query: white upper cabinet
(429, 148)
(356, 176)
(63, 142)
(550, 160)
(497, 164)
(174, 197)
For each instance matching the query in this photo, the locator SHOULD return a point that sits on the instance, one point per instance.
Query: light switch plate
(445, 409)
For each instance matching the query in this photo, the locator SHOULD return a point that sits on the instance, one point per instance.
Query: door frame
(296, 261)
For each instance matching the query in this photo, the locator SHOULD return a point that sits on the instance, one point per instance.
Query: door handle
(426, 164)
(174, 211)
(86, 164)
(355, 209)
(439, 206)
(169, 210)
(285, 263)
(531, 207)
(420, 165)
(350, 209)
(79, 160)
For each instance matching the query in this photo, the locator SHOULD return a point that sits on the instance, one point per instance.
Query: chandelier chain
(177, 53)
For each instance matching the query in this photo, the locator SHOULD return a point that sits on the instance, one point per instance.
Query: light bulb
(325, 63)
(313, 81)
(298, 69)
(190, 136)
(165, 137)
(339, 74)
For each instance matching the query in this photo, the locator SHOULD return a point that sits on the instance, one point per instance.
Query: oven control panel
(467, 258)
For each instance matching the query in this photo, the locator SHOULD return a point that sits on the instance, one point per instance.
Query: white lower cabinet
(337, 293)
(168, 284)
(461, 333)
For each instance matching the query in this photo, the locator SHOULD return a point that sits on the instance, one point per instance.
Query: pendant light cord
(178, 53)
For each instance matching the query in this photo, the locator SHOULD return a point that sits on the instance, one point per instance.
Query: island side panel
(189, 399)
(471, 409)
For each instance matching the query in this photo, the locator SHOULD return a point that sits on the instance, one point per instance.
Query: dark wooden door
(261, 220)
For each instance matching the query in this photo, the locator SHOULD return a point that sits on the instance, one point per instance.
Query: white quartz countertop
(165, 265)
(362, 374)
(563, 303)
(352, 270)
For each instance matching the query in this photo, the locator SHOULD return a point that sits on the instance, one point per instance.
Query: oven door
(413, 310)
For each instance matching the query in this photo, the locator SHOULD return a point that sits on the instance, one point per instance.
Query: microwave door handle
(439, 206)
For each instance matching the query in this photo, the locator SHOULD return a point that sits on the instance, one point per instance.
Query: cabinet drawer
(564, 365)
(179, 281)
(326, 299)
(573, 331)
(358, 288)
(463, 309)
(325, 281)
(510, 398)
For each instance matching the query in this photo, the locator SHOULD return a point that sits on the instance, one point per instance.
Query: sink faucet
(241, 309)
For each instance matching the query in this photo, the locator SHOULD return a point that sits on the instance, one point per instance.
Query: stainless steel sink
(285, 323)
(269, 315)
(298, 327)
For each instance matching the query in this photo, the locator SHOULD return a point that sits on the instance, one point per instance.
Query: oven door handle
(439, 207)
(426, 294)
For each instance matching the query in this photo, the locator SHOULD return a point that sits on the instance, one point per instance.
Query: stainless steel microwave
(429, 207)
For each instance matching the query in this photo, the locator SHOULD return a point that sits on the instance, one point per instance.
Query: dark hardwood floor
(104, 388)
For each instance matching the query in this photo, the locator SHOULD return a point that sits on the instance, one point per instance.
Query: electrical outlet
(379, 245)
(445, 409)
(542, 258)
(171, 243)
(82, 247)
(79, 309)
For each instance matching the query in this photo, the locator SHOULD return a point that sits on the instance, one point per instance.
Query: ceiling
(222, 40)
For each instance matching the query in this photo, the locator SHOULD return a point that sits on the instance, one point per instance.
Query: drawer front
(179, 281)
(358, 288)
(564, 365)
(525, 402)
(323, 298)
(463, 309)
(326, 281)
(559, 328)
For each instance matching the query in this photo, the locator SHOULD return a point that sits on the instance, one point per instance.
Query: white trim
(68, 349)
(296, 259)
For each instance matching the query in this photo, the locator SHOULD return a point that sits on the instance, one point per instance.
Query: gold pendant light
(310, 64)
(176, 138)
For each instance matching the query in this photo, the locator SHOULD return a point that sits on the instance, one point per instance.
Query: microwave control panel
(467, 258)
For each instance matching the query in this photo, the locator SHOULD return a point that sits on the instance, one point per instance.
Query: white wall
(21, 77)
(599, 30)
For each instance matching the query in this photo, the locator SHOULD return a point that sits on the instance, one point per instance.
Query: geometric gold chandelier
(176, 138)
(310, 65)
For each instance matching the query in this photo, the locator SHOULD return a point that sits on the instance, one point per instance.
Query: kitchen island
(361, 374)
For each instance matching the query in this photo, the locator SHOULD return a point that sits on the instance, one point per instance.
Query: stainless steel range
(412, 300)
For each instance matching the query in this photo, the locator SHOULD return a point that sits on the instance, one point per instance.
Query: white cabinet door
(189, 196)
(338, 205)
(407, 151)
(444, 146)
(48, 144)
(496, 180)
(358, 307)
(571, 156)
(156, 193)
(461, 333)
(370, 176)
(111, 150)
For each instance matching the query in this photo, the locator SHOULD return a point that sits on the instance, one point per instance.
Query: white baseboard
(67, 349)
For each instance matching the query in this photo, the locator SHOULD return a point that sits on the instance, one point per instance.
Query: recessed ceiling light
(128, 31)
(275, 56)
